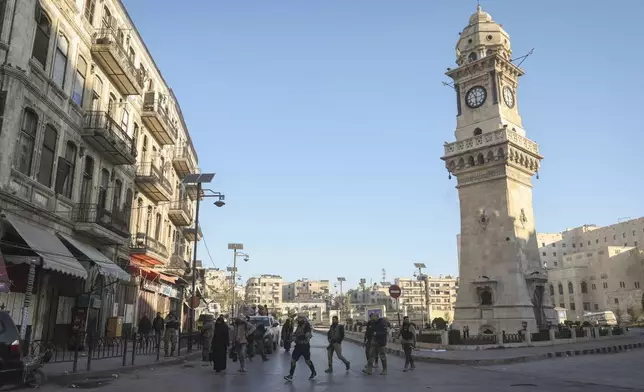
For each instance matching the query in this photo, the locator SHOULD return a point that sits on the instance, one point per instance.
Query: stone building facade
(442, 296)
(94, 147)
(305, 290)
(502, 280)
(593, 268)
(264, 290)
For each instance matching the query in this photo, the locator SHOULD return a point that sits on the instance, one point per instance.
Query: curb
(615, 348)
(92, 374)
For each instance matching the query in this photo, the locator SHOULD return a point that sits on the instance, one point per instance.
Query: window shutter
(61, 174)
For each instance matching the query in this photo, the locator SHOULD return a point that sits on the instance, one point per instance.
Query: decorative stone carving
(522, 218)
(484, 219)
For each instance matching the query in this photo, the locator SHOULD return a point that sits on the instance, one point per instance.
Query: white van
(601, 318)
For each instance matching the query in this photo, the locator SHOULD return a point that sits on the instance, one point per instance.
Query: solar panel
(198, 178)
(190, 179)
(207, 177)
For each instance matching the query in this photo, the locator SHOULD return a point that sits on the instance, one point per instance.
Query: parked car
(272, 334)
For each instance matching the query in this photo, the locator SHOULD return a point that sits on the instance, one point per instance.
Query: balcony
(108, 52)
(180, 213)
(183, 162)
(189, 233)
(109, 227)
(142, 244)
(106, 136)
(151, 180)
(178, 262)
(191, 191)
(155, 117)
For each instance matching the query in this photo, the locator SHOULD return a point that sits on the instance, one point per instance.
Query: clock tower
(502, 282)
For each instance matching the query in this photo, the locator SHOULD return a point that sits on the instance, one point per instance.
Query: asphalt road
(565, 374)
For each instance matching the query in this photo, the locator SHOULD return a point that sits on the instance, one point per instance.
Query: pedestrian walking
(220, 343)
(171, 334)
(408, 336)
(378, 345)
(143, 329)
(242, 330)
(287, 332)
(302, 339)
(157, 324)
(368, 338)
(207, 333)
(335, 337)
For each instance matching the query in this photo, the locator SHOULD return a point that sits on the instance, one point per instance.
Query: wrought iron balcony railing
(110, 37)
(115, 221)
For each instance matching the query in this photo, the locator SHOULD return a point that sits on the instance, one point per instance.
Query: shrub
(440, 323)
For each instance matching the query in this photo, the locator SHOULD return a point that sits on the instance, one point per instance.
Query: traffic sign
(395, 291)
(194, 302)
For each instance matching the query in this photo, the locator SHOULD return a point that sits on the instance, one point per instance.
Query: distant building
(264, 290)
(442, 296)
(305, 290)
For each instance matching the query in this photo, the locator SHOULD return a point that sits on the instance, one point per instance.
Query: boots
(384, 368)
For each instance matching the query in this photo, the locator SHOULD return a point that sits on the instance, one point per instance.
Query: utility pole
(235, 248)
(423, 277)
(344, 300)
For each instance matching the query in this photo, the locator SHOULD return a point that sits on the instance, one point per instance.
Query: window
(25, 151)
(563, 245)
(555, 263)
(90, 7)
(596, 306)
(87, 181)
(65, 171)
(486, 298)
(623, 235)
(47, 156)
(157, 229)
(554, 254)
(616, 300)
(544, 253)
(584, 287)
(125, 120)
(116, 201)
(552, 290)
(472, 56)
(637, 285)
(60, 61)
(605, 285)
(554, 245)
(581, 244)
(79, 82)
(477, 131)
(132, 54)
(593, 286)
(614, 237)
(111, 106)
(543, 244)
(574, 246)
(571, 288)
(41, 39)
(586, 306)
(597, 241)
(562, 305)
(572, 306)
(622, 285)
(588, 243)
(107, 18)
(102, 189)
(560, 289)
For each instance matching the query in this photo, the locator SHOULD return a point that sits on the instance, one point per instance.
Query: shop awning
(55, 256)
(105, 266)
(168, 278)
(150, 272)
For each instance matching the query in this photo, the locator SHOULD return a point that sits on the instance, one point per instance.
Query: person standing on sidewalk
(408, 336)
(143, 330)
(368, 338)
(207, 333)
(378, 344)
(287, 332)
(171, 333)
(158, 324)
(335, 337)
(302, 338)
(240, 340)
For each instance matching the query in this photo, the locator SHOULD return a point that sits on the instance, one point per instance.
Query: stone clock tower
(502, 281)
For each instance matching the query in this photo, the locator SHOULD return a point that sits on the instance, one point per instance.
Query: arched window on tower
(477, 131)
(480, 160)
(472, 56)
(571, 288)
(486, 298)
(560, 288)
(584, 287)
(552, 290)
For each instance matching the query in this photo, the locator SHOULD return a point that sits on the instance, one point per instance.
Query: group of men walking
(167, 328)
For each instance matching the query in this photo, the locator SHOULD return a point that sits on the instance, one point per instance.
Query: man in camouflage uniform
(171, 333)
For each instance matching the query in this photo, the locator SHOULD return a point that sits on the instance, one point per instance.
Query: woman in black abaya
(220, 343)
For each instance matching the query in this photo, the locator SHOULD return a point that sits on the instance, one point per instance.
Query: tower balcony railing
(103, 133)
(108, 52)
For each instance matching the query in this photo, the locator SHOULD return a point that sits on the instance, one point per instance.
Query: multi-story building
(305, 290)
(94, 147)
(365, 296)
(442, 295)
(593, 268)
(264, 290)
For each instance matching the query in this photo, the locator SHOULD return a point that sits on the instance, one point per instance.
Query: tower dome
(482, 37)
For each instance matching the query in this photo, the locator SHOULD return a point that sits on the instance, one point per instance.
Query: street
(590, 373)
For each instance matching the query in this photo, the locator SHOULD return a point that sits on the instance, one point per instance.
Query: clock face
(508, 96)
(475, 97)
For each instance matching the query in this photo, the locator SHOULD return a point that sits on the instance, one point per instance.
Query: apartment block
(264, 290)
(95, 220)
(442, 295)
(305, 290)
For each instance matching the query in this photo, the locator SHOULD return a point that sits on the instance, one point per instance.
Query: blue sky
(325, 120)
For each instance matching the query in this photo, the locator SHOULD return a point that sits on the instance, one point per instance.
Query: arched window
(552, 290)
(79, 82)
(489, 52)
(480, 160)
(571, 288)
(47, 154)
(139, 215)
(116, 199)
(470, 161)
(41, 39)
(60, 61)
(486, 298)
(111, 106)
(135, 136)
(472, 56)
(107, 18)
(66, 170)
(560, 288)
(97, 87)
(127, 208)
(158, 227)
(477, 131)
(102, 189)
(25, 151)
(88, 181)
(584, 287)
(90, 8)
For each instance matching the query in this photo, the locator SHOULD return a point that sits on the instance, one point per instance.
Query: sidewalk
(510, 355)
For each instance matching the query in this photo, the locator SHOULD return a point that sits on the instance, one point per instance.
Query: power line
(203, 238)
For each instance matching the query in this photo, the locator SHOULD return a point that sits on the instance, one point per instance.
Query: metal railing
(183, 205)
(479, 339)
(513, 337)
(143, 242)
(186, 153)
(115, 221)
(154, 173)
(103, 121)
(153, 103)
(109, 36)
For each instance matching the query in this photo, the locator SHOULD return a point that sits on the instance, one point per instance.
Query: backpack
(406, 333)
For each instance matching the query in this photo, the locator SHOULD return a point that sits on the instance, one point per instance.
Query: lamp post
(198, 179)
(423, 277)
(235, 248)
(344, 300)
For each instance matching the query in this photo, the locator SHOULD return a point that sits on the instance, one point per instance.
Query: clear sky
(325, 120)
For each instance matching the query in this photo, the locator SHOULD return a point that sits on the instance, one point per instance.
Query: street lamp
(235, 248)
(342, 279)
(423, 277)
(203, 178)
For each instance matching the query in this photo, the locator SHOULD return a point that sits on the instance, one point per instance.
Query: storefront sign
(169, 291)
(150, 286)
(4, 276)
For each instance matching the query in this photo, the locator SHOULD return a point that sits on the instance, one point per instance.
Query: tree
(440, 323)
(618, 315)
(632, 313)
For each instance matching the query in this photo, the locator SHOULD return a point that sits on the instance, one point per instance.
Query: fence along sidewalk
(84, 352)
